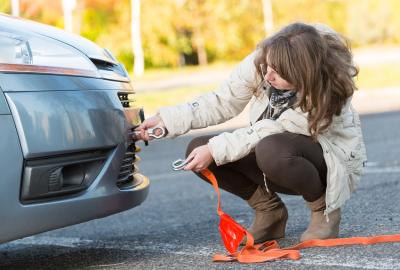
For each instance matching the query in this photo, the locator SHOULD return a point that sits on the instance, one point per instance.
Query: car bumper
(48, 126)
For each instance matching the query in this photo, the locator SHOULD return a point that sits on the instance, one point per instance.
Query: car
(67, 115)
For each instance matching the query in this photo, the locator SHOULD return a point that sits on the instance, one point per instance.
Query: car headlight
(38, 54)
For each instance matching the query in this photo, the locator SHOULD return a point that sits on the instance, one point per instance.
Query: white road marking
(169, 175)
(371, 170)
(354, 261)
(107, 265)
(371, 164)
(51, 241)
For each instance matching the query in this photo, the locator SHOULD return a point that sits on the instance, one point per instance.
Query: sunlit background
(164, 42)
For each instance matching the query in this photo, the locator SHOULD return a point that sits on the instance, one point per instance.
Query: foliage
(183, 32)
(153, 100)
(376, 76)
(374, 21)
(5, 6)
(332, 13)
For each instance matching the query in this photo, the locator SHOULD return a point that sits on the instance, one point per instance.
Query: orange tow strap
(232, 234)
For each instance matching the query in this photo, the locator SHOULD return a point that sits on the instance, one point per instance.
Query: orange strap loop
(232, 234)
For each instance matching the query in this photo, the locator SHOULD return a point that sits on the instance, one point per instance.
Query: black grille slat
(126, 166)
(128, 160)
(125, 179)
(127, 169)
(129, 154)
(127, 163)
(125, 99)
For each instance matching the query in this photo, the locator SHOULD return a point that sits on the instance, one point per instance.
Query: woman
(304, 136)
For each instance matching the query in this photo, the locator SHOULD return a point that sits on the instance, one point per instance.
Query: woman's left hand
(200, 158)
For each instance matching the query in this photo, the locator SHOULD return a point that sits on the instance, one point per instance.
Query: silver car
(66, 118)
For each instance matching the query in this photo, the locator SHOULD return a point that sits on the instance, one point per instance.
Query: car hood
(87, 47)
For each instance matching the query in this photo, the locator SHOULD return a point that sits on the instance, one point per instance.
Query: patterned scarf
(279, 101)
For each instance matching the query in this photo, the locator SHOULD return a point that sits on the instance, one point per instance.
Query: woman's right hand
(152, 122)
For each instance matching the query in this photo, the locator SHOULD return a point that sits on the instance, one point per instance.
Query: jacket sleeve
(215, 107)
(229, 147)
(295, 121)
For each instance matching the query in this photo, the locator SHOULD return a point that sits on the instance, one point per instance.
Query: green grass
(370, 77)
(379, 76)
(165, 73)
(151, 101)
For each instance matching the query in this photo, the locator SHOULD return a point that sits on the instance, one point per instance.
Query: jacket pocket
(351, 157)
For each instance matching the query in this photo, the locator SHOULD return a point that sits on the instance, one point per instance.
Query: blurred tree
(78, 15)
(268, 17)
(182, 32)
(100, 16)
(332, 12)
(68, 8)
(162, 40)
(373, 21)
(5, 7)
(45, 11)
(15, 7)
(239, 30)
(138, 67)
(198, 16)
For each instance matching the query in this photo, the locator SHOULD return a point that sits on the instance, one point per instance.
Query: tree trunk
(195, 8)
(80, 7)
(68, 7)
(15, 8)
(201, 49)
(268, 17)
(138, 66)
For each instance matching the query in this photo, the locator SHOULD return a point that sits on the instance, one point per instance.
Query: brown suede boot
(270, 216)
(319, 227)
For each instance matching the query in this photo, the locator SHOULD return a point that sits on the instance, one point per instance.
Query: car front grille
(125, 177)
(128, 171)
(126, 99)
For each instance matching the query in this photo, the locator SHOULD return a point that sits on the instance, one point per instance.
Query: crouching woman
(304, 136)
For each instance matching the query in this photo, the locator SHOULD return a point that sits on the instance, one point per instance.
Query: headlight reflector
(37, 54)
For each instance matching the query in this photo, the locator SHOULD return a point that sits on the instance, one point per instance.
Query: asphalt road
(176, 227)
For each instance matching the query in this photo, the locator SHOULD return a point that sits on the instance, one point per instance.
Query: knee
(275, 152)
(273, 146)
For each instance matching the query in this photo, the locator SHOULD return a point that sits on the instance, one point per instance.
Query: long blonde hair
(319, 65)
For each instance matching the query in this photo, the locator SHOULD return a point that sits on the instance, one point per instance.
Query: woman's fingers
(190, 156)
(141, 131)
(143, 134)
(189, 166)
(191, 161)
(199, 159)
(195, 164)
(151, 122)
(144, 125)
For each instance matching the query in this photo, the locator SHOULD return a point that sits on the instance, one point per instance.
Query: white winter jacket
(343, 146)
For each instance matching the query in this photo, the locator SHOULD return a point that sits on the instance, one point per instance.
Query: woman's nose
(269, 76)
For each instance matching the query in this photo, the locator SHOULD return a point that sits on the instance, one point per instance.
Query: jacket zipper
(265, 183)
(329, 149)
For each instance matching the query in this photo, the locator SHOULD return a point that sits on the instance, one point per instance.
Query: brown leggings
(293, 164)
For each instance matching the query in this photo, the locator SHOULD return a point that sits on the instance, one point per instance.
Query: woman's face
(273, 77)
(276, 80)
